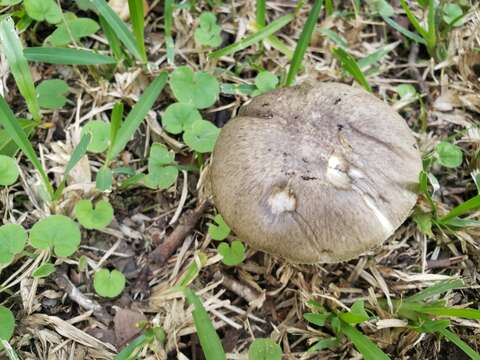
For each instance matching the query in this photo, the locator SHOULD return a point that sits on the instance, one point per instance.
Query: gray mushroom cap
(315, 173)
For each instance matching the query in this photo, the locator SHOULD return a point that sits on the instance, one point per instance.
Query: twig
(253, 297)
(163, 251)
(185, 226)
(415, 73)
(64, 283)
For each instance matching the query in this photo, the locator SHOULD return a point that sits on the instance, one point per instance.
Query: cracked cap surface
(319, 172)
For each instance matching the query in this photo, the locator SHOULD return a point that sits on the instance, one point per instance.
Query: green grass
(16, 133)
(119, 28)
(138, 24)
(66, 56)
(303, 42)
(137, 115)
(350, 65)
(258, 36)
(13, 50)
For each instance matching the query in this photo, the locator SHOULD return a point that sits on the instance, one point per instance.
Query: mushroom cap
(319, 172)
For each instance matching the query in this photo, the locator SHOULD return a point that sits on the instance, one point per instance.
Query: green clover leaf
(100, 131)
(44, 271)
(178, 117)
(7, 321)
(51, 94)
(58, 232)
(452, 15)
(162, 171)
(12, 242)
(208, 32)
(201, 136)
(264, 349)
(449, 155)
(77, 29)
(94, 218)
(406, 91)
(198, 89)
(108, 284)
(232, 254)
(47, 10)
(220, 230)
(8, 170)
(265, 81)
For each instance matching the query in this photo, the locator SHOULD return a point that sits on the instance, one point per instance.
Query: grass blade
(15, 131)
(209, 340)
(437, 289)
(351, 66)
(119, 27)
(260, 13)
(135, 344)
(7, 145)
(77, 154)
(473, 314)
(168, 21)
(115, 44)
(432, 32)
(413, 20)
(376, 55)
(460, 343)
(403, 31)
(363, 344)
(66, 56)
(136, 115)
(304, 41)
(260, 35)
(329, 7)
(116, 121)
(12, 355)
(467, 206)
(13, 50)
(136, 10)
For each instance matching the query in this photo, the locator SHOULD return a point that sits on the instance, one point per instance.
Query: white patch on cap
(386, 224)
(336, 172)
(282, 201)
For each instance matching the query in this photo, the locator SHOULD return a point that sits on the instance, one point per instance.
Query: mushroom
(319, 172)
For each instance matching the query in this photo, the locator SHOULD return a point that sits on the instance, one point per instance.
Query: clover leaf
(220, 230)
(178, 117)
(94, 218)
(12, 241)
(265, 81)
(201, 136)
(8, 170)
(9, 2)
(47, 10)
(406, 91)
(264, 349)
(452, 15)
(58, 232)
(77, 29)
(198, 89)
(162, 171)
(208, 32)
(449, 155)
(7, 321)
(232, 254)
(44, 270)
(108, 284)
(100, 131)
(51, 94)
